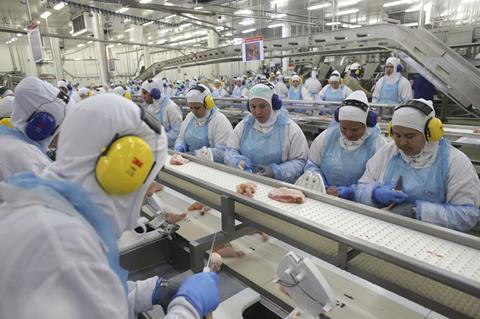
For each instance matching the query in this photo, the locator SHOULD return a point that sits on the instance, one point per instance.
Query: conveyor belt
(459, 262)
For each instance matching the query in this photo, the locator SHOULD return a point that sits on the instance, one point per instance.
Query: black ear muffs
(371, 115)
(276, 100)
(433, 129)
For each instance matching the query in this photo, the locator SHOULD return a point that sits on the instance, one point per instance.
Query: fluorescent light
(79, 32)
(247, 22)
(150, 43)
(278, 3)
(89, 41)
(347, 3)
(45, 15)
(126, 20)
(148, 23)
(136, 46)
(19, 35)
(413, 9)
(129, 29)
(396, 3)
(332, 23)
(275, 25)
(170, 16)
(249, 30)
(411, 24)
(161, 41)
(59, 6)
(228, 34)
(110, 46)
(149, 38)
(200, 32)
(244, 11)
(342, 13)
(122, 10)
(198, 8)
(219, 28)
(277, 15)
(164, 31)
(120, 36)
(168, 4)
(119, 44)
(80, 45)
(319, 6)
(197, 45)
(145, 1)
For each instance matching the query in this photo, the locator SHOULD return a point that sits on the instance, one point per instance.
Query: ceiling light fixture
(59, 6)
(145, 1)
(244, 12)
(45, 15)
(319, 6)
(275, 25)
(122, 10)
(249, 30)
(247, 22)
(347, 3)
(346, 12)
(396, 3)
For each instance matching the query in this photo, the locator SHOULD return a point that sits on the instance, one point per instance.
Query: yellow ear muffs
(434, 129)
(6, 121)
(209, 103)
(389, 129)
(127, 95)
(124, 165)
(357, 72)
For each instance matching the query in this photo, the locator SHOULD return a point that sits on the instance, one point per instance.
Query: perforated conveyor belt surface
(445, 255)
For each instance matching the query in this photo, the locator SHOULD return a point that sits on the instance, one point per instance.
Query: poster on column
(252, 49)
(35, 41)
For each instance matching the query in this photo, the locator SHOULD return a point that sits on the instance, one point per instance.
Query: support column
(57, 59)
(100, 50)
(147, 58)
(285, 34)
(212, 42)
(12, 57)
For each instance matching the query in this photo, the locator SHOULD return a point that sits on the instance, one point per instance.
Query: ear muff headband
(358, 72)
(276, 100)
(433, 129)
(371, 115)
(6, 121)
(125, 164)
(207, 100)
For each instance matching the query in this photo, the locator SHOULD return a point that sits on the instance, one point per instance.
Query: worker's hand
(201, 291)
(345, 192)
(386, 195)
(405, 209)
(265, 170)
(153, 188)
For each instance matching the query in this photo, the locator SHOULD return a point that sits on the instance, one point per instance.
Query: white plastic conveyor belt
(439, 255)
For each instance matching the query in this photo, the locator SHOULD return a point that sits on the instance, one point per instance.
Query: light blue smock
(295, 95)
(171, 130)
(91, 212)
(8, 131)
(342, 167)
(389, 93)
(331, 95)
(237, 91)
(196, 136)
(217, 93)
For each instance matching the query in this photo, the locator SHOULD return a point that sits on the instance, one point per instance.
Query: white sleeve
(140, 295)
(180, 308)
(219, 130)
(316, 149)
(234, 140)
(181, 135)
(377, 165)
(405, 90)
(306, 96)
(346, 91)
(245, 92)
(463, 183)
(322, 93)
(297, 147)
(174, 115)
(377, 90)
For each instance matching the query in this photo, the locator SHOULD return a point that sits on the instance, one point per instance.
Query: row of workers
(439, 183)
(60, 220)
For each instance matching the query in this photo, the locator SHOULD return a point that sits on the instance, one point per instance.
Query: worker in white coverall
(69, 217)
(38, 111)
(421, 173)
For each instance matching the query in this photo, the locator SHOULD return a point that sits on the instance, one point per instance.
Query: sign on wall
(252, 49)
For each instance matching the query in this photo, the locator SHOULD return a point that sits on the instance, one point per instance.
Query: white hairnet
(196, 96)
(334, 78)
(355, 66)
(8, 92)
(149, 85)
(34, 95)
(91, 125)
(83, 91)
(261, 91)
(295, 78)
(412, 118)
(118, 90)
(353, 113)
(62, 84)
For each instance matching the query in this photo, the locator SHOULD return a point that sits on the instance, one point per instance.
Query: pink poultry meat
(178, 159)
(247, 189)
(287, 195)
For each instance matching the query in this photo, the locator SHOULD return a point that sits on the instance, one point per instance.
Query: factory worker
(167, 112)
(313, 85)
(70, 216)
(392, 88)
(352, 80)
(6, 106)
(84, 93)
(38, 111)
(239, 90)
(297, 91)
(218, 90)
(421, 172)
(62, 85)
(334, 91)
(120, 90)
(267, 142)
(205, 126)
(340, 153)
(281, 87)
(180, 88)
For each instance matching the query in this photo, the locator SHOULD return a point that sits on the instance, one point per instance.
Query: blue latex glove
(405, 209)
(201, 291)
(180, 149)
(345, 192)
(265, 170)
(386, 195)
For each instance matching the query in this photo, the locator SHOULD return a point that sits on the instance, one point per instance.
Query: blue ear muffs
(40, 126)
(371, 115)
(155, 93)
(399, 68)
(276, 100)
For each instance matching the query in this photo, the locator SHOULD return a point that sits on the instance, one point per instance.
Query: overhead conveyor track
(448, 71)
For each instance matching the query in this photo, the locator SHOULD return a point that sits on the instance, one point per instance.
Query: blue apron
(429, 183)
(342, 167)
(217, 93)
(237, 91)
(264, 148)
(331, 95)
(196, 137)
(82, 203)
(295, 95)
(389, 93)
(7, 131)
(161, 112)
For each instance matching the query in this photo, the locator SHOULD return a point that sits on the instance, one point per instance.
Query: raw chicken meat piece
(215, 262)
(199, 207)
(173, 218)
(247, 189)
(227, 250)
(178, 159)
(287, 195)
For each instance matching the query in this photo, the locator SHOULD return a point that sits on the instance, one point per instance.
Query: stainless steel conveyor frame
(333, 229)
